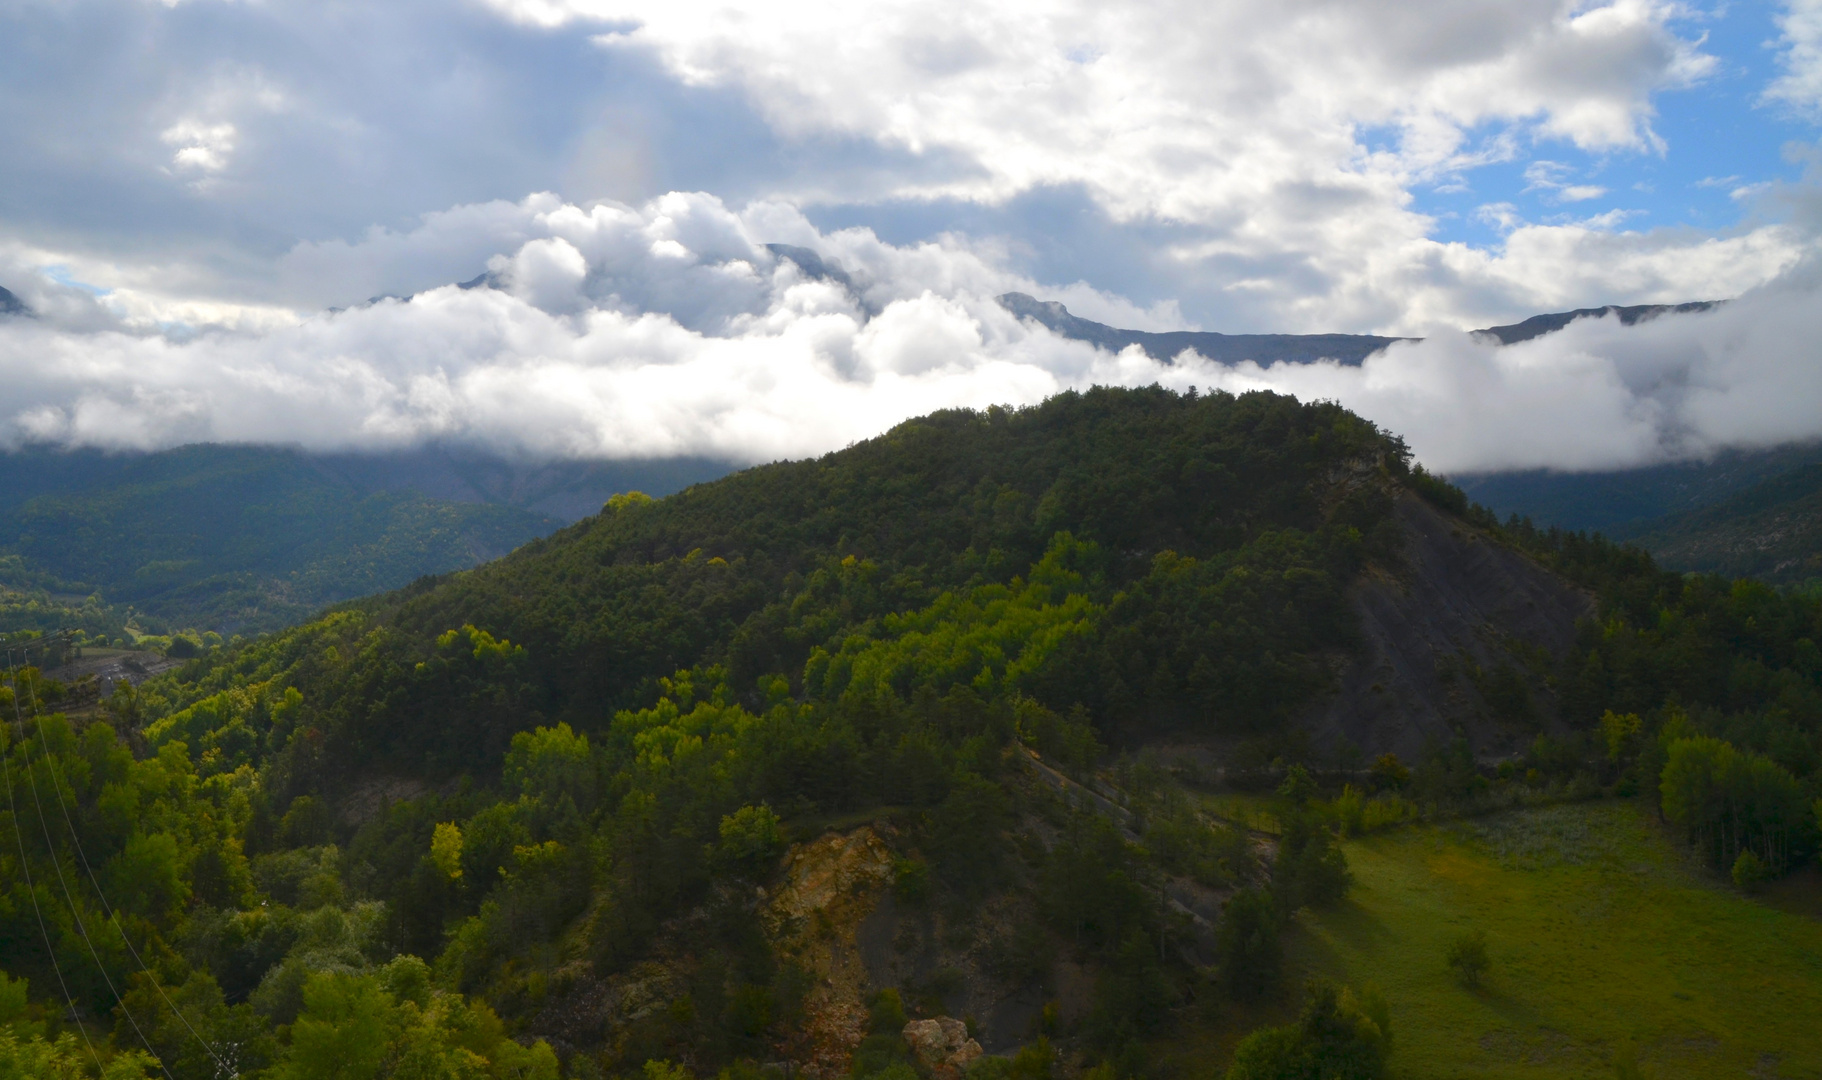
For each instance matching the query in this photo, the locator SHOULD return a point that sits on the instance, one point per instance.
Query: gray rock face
(12, 305)
(1456, 646)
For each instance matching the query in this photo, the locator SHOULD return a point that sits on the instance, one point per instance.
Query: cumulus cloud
(1262, 164)
(1168, 106)
(609, 331)
(1800, 85)
(1241, 124)
(1596, 395)
(672, 328)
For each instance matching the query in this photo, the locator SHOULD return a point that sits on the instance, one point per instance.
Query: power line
(25, 865)
(57, 866)
(76, 842)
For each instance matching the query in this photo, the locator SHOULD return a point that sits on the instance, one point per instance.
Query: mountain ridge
(1268, 349)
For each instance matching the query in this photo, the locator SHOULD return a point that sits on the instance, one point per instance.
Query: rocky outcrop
(942, 1045)
(831, 885)
(1456, 644)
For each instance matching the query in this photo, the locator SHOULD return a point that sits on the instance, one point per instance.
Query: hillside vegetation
(229, 539)
(1771, 531)
(1744, 513)
(782, 767)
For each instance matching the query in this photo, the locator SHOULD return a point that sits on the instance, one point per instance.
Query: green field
(1602, 935)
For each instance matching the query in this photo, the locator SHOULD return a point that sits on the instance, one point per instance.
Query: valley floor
(1601, 934)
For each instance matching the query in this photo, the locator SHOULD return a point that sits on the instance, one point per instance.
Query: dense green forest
(229, 539)
(527, 820)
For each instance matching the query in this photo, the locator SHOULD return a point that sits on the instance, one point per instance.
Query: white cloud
(1800, 86)
(1240, 124)
(670, 328)
(1597, 395)
(1553, 178)
(614, 331)
(1170, 108)
(201, 148)
(1580, 193)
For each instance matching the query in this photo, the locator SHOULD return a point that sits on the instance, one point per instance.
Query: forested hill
(930, 729)
(1219, 523)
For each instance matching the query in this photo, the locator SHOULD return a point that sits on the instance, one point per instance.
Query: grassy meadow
(1606, 944)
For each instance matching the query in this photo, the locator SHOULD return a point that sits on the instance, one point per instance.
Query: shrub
(911, 881)
(1350, 811)
(1389, 772)
(1385, 811)
(1338, 1037)
(1749, 871)
(752, 839)
(1467, 958)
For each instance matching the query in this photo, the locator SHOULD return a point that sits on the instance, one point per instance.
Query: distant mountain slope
(1539, 325)
(1264, 349)
(1268, 349)
(565, 490)
(235, 538)
(1625, 503)
(10, 304)
(1771, 531)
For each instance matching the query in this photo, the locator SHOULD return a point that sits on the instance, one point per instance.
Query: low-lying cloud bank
(673, 329)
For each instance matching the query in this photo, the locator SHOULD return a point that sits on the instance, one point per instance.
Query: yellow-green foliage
(1600, 935)
(681, 729)
(1619, 731)
(228, 729)
(485, 646)
(988, 638)
(625, 499)
(356, 1025)
(64, 1058)
(156, 834)
(446, 849)
(25, 1053)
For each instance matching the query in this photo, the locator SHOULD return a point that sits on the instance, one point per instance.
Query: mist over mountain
(1268, 349)
(729, 540)
(684, 327)
(1624, 504)
(1262, 349)
(1539, 325)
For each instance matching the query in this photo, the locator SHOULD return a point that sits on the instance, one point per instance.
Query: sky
(244, 220)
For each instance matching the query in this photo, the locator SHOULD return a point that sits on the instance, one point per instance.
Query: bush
(1350, 811)
(752, 839)
(1467, 958)
(911, 882)
(1338, 1037)
(1384, 811)
(1390, 773)
(1749, 872)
